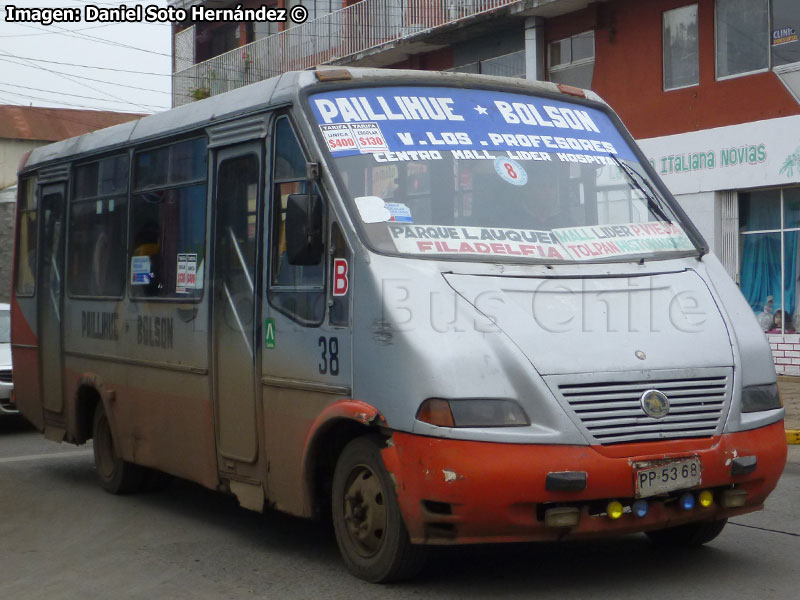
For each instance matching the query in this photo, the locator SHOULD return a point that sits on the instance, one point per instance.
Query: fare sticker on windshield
(600, 241)
(485, 241)
(361, 137)
(369, 137)
(338, 137)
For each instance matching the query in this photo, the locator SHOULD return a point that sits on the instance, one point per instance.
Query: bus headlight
(760, 397)
(472, 413)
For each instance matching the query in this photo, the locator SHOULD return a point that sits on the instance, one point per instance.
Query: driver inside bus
(544, 208)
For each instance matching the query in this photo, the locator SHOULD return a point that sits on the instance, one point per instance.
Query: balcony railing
(344, 33)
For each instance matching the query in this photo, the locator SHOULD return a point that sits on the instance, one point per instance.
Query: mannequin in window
(765, 317)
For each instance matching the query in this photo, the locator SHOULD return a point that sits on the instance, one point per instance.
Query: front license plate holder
(654, 478)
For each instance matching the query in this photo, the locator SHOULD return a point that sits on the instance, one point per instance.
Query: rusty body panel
(172, 432)
(291, 419)
(494, 489)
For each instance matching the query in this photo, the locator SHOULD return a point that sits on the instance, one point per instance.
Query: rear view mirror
(304, 229)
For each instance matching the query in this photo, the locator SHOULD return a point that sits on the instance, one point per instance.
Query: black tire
(692, 534)
(369, 527)
(116, 476)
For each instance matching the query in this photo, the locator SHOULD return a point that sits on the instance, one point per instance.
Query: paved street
(62, 537)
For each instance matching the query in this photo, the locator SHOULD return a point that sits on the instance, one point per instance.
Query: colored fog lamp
(706, 498)
(614, 509)
(640, 508)
(687, 501)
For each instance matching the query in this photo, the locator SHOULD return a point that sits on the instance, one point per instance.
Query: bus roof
(275, 91)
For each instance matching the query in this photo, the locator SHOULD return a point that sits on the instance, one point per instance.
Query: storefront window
(769, 226)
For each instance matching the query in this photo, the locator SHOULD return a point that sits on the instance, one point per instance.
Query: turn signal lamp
(614, 510)
(436, 412)
(706, 498)
(640, 508)
(687, 501)
(472, 412)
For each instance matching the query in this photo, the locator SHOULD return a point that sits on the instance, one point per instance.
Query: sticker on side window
(140, 270)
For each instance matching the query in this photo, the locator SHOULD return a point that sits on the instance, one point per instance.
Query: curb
(793, 436)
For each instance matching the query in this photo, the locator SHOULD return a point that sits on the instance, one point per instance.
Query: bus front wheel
(692, 534)
(369, 527)
(116, 476)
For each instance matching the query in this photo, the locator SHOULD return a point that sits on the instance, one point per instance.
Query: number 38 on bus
(435, 308)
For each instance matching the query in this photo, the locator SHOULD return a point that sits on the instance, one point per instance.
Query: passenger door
(50, 303)
(238, 186)
(306, 342)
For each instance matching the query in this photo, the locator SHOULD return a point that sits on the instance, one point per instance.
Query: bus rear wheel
(369, 527)
(116, 476)
(691, 534)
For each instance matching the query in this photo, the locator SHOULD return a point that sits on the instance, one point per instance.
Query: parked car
(6, 384)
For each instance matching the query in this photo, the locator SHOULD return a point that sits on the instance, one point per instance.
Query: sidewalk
(790, 395)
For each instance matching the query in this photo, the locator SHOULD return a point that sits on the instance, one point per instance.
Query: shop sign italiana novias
(750, 155)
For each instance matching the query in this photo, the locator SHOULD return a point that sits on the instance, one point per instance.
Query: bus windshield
(492, 175)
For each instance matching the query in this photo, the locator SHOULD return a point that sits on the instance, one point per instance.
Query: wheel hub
(365, 511)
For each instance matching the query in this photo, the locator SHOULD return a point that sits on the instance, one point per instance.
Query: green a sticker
(269, 333)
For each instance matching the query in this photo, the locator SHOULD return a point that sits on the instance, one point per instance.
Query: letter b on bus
(340, 281)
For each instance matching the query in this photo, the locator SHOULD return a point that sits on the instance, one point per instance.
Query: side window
(98, 228)
(296, 290)
(168, 221)
(235, 254)
(25, 281)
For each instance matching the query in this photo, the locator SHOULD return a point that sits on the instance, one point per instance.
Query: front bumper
(461, 492)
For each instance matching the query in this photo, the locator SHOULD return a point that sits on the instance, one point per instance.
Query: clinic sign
(762, 153)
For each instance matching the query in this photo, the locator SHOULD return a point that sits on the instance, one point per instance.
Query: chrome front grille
(5, 375)
(611, 411)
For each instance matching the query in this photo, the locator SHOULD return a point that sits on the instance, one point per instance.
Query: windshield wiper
(652, 196)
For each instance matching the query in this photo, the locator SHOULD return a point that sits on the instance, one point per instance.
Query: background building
(710, 89)
(23, 128)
